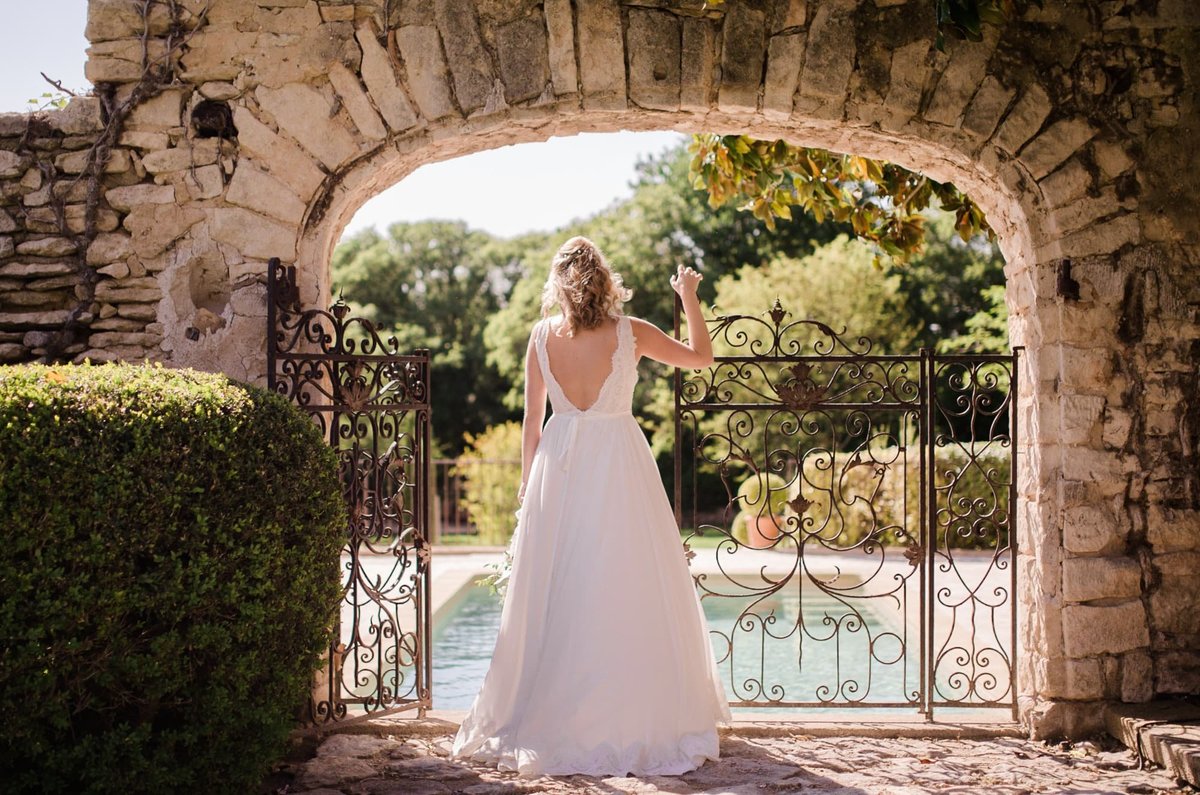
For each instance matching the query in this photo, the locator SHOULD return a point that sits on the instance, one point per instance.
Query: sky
(512, 190)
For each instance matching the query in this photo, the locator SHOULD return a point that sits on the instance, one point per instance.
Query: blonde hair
(582, 283)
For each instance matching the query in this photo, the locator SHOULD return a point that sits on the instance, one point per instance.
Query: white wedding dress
(603, 664)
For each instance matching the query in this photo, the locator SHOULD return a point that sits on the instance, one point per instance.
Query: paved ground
(414, 763)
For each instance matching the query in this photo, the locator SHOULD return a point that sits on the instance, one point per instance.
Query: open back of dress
(603, 663)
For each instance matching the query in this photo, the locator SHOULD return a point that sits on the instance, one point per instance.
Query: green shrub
(491, 471)
(168, 572)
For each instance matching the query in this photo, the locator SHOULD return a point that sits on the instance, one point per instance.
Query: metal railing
(474, 500)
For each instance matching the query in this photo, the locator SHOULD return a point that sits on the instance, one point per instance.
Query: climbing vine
(158, 72)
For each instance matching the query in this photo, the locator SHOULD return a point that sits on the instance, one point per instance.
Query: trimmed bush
(168, 571)
(491, 471)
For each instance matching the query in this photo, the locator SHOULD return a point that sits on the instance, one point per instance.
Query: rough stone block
(120, 61)
(745, 44)
(1024, 119)
(254, 235)
(45, 219)
(128, 197)
(164, 110)
(154, 227)
(357, 104)
(788, 15)
(1080, 417)
(1055, 144)
(81, 116)
(219, 52)
(279, 156)
(962, 77)
(829, 60)
(560, 29)
(206, 182)
(468, 60)
(1110, 629)
(1090, 579)
(380, 79)
(47, 247)
(1103, 238)
(1092, 530)
(1112, 157)
(22, 321)
(191, 154)
(118, 270)
(654, 39)
(1173, 604)
(306, 114)
(27, 269)
(219, 90)
(697, 61)
(1074, 679)
(784, 53)
(1172, 529)
(987, 107)
(263, 193)
(426, 70)
(601, 55)
(119, 19)
(524, 59)
(910, 68)
(109, 248)
(114, 293)
(1087, 210)
(76, 162)
(1066, 184)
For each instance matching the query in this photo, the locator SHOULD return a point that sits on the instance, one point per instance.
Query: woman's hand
(685, 280)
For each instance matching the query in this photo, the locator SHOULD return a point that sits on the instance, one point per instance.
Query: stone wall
(1073, 127)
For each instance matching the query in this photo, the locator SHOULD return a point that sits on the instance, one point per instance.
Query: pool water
(846, 654)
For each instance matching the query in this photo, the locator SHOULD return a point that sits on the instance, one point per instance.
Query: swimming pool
(837, 654)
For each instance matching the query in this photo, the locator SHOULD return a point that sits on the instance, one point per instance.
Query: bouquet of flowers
(498, 581)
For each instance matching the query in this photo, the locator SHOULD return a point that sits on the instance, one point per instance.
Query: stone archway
(1068, 127)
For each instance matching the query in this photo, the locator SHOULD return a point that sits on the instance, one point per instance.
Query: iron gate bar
(362, 390)
(819, 392)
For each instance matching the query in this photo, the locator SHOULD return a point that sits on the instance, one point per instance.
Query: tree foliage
(472, 298)
(882, 202)
(434, 284)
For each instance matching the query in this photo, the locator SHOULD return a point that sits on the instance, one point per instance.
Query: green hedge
(168, 569)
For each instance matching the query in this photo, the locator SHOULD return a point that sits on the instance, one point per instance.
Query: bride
(602, 665)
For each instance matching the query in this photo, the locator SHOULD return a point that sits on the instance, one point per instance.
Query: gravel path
(415, 763)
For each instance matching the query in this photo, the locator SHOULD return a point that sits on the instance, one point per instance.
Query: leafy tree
(946, 284)
(433, 284)
(882, 202)
(665, 222)
(837, 284)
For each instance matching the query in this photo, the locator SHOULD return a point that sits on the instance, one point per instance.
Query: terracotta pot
(761, 531)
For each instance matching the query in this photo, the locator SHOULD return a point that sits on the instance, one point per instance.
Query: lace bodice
(616, 394)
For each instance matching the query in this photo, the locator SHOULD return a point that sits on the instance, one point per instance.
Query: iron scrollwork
(882, 491)
(371, 402)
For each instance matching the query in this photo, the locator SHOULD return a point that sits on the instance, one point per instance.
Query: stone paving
(784, 762)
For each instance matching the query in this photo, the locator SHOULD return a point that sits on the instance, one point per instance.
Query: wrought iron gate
(372, 404)
(881, 489)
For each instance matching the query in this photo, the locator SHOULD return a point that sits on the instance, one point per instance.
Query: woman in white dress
(603, 664)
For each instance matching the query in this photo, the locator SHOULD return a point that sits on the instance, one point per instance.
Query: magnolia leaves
(882, 202)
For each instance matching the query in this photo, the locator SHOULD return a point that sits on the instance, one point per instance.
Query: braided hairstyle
(583, 285)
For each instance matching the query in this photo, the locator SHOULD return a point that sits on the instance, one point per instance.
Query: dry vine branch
(157, 74)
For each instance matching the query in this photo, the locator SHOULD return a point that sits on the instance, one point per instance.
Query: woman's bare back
(581, 364)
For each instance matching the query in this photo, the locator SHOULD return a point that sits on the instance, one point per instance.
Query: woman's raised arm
(654, 343)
